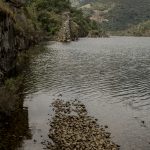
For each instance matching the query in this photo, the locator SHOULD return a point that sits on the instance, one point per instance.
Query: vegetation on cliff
(46, 16)
(49, 14)
(24, 22)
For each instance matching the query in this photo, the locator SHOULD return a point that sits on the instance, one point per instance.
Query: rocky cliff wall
(7, 46)
(13, 38)
(69, 30)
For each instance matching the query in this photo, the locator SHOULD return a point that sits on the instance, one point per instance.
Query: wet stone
(72, 129)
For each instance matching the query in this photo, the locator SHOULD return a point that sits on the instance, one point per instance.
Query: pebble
(72, 129)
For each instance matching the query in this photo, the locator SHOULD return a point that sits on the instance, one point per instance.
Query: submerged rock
(72, 129)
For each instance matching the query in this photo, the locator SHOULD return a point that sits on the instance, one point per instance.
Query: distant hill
(129, 12)
(117, 14)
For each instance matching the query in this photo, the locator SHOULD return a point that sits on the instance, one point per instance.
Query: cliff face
(12, 38)
(16, 35)
(7, 43)
(69, 30)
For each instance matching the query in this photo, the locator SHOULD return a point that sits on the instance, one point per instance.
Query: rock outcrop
(7, 42)
(13, 38)
(69, 30)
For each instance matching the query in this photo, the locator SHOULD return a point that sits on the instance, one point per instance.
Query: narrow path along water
(111, 76)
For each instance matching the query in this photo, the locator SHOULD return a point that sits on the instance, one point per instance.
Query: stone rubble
(72, 129)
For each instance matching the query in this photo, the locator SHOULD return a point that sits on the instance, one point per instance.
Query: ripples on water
(108, 74)
(117, 67)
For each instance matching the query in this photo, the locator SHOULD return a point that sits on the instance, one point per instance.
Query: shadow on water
(14, 119)
(14, 127)
(14, 116)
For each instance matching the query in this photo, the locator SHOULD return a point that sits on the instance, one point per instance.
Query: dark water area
(14, 126)
(111, 76)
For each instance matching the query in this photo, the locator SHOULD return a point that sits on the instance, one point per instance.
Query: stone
(75, 130)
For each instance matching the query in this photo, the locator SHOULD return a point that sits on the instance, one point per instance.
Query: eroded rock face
(12, 38)
(16, 35)
(7, 43)
(11, 43)
(69, 29)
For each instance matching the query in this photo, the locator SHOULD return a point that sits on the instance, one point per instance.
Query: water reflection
(14, 123)
(117, 66)
(14, 129)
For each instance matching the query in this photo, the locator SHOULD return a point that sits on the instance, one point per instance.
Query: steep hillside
(117, 14)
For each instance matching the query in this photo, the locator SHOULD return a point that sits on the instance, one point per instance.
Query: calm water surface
(111, 76)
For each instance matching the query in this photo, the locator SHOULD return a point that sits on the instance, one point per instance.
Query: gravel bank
(72, 129)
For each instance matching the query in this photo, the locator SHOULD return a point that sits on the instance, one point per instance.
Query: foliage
(142, 29)
(54, 5)
(82, 21)
(122, 14)
(46, 15)
(49, 14)
(50, 21)
(128, 13)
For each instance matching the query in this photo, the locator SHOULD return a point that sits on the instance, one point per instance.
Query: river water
(111, 76)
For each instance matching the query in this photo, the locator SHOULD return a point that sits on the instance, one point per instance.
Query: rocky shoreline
(72, 129)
